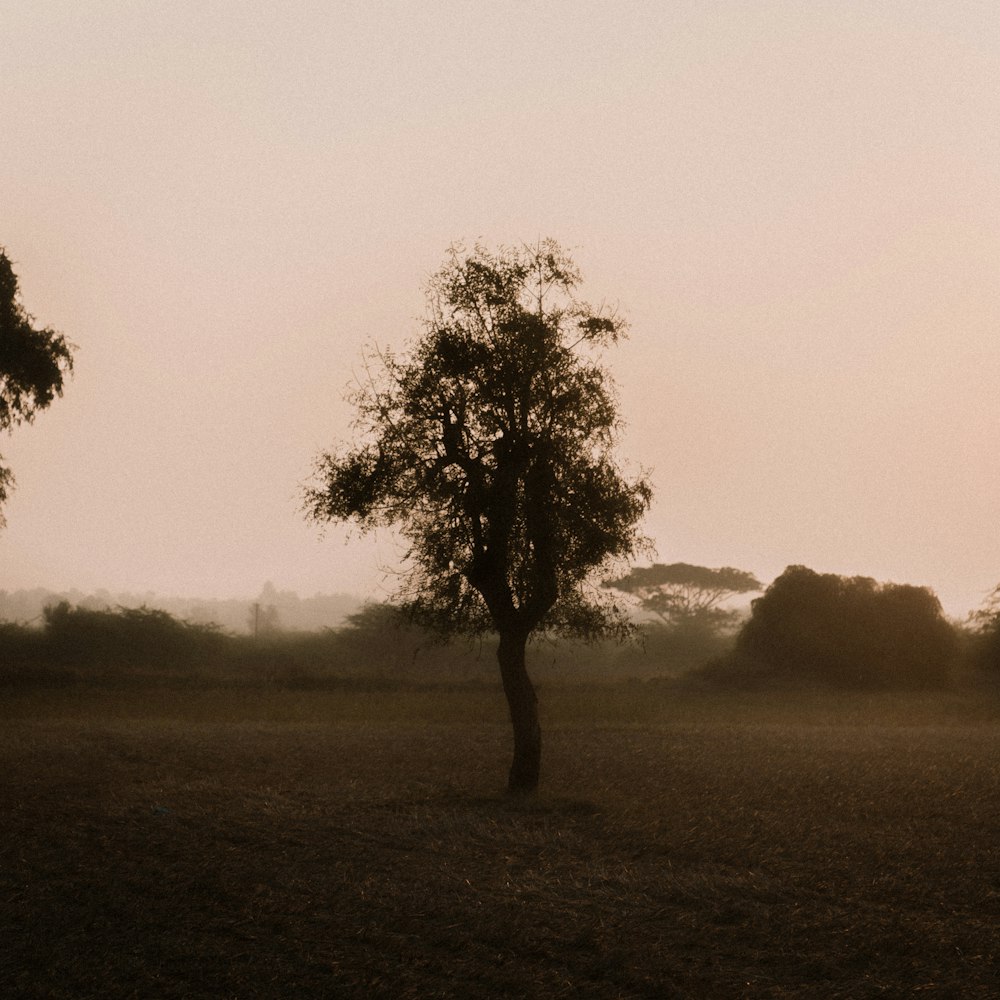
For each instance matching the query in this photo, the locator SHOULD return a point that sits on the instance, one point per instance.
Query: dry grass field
(240, 844)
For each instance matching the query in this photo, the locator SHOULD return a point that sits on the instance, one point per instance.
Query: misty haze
(500, 501)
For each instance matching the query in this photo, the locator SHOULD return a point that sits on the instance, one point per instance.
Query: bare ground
(743, 854)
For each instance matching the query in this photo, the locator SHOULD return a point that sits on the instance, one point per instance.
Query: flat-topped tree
(489, 445)
(684, 595)
(33, 365)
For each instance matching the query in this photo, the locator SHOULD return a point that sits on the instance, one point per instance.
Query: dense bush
(845, 632)
(138, 638)
(22, 657)
(78, 642)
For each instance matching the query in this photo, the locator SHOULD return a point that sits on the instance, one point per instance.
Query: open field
(232, 844)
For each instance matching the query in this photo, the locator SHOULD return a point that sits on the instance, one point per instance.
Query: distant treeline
(375, 643)
(270, 609)
(808, 629)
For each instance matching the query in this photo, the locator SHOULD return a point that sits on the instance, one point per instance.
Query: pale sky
(795, 202)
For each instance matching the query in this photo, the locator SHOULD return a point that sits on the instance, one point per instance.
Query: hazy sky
(797, 205)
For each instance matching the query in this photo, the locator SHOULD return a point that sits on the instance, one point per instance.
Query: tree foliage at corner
(33, 365)
(489, 445)
(984, 625)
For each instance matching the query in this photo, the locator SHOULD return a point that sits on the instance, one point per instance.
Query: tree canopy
(683, 594)
(848, 632)
(33, 364)
(489, 446)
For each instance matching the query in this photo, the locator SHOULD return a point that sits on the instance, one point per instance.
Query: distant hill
(278, 609)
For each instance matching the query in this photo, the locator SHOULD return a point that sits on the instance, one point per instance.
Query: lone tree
(33, 363)
(682, 595)
(693, 627)
(489, 445)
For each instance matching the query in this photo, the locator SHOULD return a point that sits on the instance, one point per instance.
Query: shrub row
(807, 629)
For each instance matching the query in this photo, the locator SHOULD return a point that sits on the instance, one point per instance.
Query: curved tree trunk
(523, 704)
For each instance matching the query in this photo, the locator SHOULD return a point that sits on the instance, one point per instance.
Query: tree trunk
(523, 706)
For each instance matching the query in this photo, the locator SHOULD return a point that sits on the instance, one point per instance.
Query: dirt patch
(684, 860)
